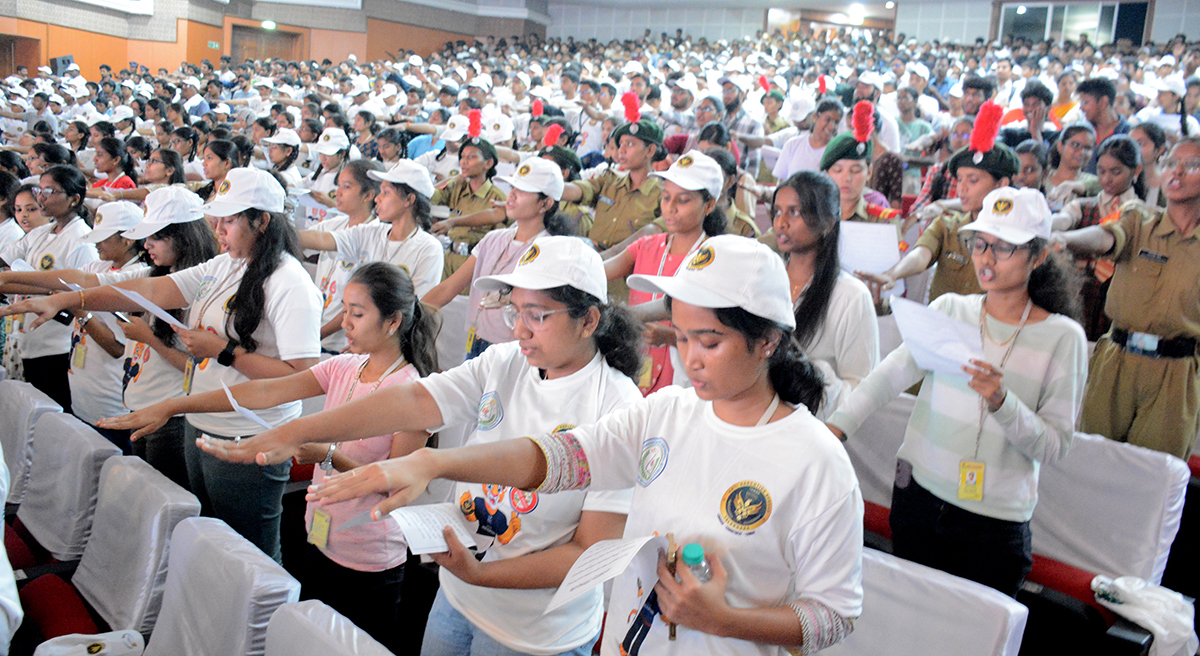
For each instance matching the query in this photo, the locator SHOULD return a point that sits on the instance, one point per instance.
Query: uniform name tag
(1152, 256)
(606, 200)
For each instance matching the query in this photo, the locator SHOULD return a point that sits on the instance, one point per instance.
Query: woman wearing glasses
(1066, 179)
(1144, 388)
(967, 472)
(45, 350)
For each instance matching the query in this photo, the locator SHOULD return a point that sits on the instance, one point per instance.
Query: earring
(769, 353)
(392, 331)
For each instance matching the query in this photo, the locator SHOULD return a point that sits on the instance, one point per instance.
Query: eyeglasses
(1191, 166)
(1001, 249)
(1076, 145)
(45, 192)
(532, 318)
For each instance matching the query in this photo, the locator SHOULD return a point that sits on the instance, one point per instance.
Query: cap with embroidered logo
(244, 188)
(537, 175)
(1016, 216)
(114, 217)
(332, 141)
(695, 171)
(164, 206)
(554, 262)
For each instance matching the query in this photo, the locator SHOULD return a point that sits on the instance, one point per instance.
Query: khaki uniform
(955, 272)
(871, 213)
(1148, 401)
(620, 209)
(742, 224)
(461, 200)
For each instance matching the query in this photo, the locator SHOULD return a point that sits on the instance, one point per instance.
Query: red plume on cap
(821, 88)
(632, 103)
(863, 121)
(762, 82)
(537, 108)
(552, 134)
(475, 123)
(987, 126)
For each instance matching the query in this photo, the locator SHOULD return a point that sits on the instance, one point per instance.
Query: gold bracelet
(82, 307)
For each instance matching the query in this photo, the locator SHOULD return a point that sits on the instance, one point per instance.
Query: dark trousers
(932, 532)
(163, 449)
(118, 437)
(369, 599)
(48, 374)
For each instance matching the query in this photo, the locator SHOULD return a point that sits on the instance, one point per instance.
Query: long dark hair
(73, 184)
(226, 150)
(193, 243)
(421, 209)
(359, 169)
(392, 292)
(1054, 285)
(821, 209)
(1126, 151)
(189, 135)
(173, 161)
(1067, 133)
(11, 161)
(116, 150)
(278, 239)
(618, 336)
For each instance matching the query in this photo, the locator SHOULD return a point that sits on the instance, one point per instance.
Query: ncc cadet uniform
(621, 210)
(955, 273)
(1144, 386)
(872, 213)
(457, 195)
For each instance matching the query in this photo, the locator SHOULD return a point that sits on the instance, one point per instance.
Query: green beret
(845, 146)
(564, 157)
(484, 146)
(776, 94)
(999, 162)
(645, 129)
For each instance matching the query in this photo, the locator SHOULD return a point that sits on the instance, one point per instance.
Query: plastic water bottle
(693, 557)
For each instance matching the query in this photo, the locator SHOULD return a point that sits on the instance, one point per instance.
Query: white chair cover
(873, 449)
(11, 612)
(21, 405)
(910, 609)
(124, 569)
(452, 341)
(64, 482)
(310, 628)
(221, 592)
(1110, 508)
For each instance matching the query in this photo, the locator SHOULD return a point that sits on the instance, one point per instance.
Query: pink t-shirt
(374, 546)
(647, 256)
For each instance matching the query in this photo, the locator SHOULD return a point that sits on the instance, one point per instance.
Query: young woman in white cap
(333, 152)
(569, 366)
(532, 206)
(253, 313)
(358, 571)
(967, 471)
(283, 149)
(400, 237)
(97, 343)
(691, 190)
(737, 464)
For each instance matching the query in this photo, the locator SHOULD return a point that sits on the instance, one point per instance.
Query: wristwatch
(225, 357)
(327, 463)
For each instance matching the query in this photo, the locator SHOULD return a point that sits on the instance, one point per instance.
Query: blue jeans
(449, 633)
(247, 497)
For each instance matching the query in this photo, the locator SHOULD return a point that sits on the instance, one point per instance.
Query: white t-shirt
(10, 231)
(420, 254)
(446, 167)
(46, 251)
(778, 504)
(332, 274)
(798, 155)
(506, 398)
(94, 375)
(846, 346)
(290, 329)
(324, 183)
(1168, 122)
(290, 175)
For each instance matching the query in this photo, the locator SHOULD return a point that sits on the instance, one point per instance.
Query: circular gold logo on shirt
(1002, 206)
(530, 255)
(701, 259)
(745, 506)
(47, 262)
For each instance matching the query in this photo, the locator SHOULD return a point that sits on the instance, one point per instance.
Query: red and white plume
(632, 105)
(552, 134)
(537, 108)
(821, 85)
(475, 123)
(987, 127)
(863, 121)
(762, 82)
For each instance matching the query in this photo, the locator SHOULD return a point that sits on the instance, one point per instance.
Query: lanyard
(662, 262)
(1012, 342)
(774, 405)
(217, 291)
(358, 376)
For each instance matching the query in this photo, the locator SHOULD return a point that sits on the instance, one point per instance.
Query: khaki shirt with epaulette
(955, 272)
(457, 195)
(621, 210)
(871, 213)
(1156, 286)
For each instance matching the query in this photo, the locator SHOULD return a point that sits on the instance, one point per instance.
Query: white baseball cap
(498, 128)
(192, 82)
(456, 128)
(539, 176)
(554, 262)
(407, 172)
(122, 113)
(332, 141)
(222, 108)
(1172, 83)
(285, 136)
(55, 98)
(164, 206)
(871, 78)
(114, 217)
(729, 271)
(695, 171)
(1015, 215)
(799, 105)
(244, 188)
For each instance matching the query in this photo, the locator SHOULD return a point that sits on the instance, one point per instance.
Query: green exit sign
(215, 45)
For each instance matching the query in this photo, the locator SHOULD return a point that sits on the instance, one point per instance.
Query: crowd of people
(304, 221)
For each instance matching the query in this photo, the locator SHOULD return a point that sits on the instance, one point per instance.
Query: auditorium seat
(21, 405)
(123, 571)
(913, 610)
(221, 592)
(64, 482)
(311, 628)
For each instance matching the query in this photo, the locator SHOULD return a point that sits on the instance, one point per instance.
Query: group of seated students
(306, 222)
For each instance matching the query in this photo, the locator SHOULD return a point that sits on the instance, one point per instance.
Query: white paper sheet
(248, 414)
(21, 265)
(422, 527)
(869, 247)
(605, 560)
(306, 200)
(937, 342)
(150, 307)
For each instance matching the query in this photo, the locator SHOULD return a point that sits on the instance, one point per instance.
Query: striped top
(1045, 377)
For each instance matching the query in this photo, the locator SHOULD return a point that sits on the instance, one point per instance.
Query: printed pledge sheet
(606, 560)
(937, 342)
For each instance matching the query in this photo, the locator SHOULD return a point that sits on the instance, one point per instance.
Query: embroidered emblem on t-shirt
(653, 460)
(491, 413)
(47, 262)
(745, 506)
